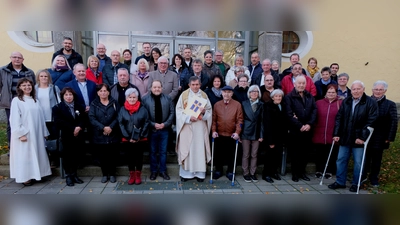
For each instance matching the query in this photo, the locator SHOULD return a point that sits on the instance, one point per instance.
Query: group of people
(132, 107)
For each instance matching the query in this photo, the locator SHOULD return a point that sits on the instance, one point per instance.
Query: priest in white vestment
(193, 143)
(28, 156)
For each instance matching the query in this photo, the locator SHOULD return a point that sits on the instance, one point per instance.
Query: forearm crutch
(371, 130)
(212, 160)
(327, 162)
(234, 164)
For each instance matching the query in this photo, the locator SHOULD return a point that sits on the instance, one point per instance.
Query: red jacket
(326, 114)
(287, 85)
(90, 76)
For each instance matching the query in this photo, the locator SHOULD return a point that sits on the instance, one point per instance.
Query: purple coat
(326, 114)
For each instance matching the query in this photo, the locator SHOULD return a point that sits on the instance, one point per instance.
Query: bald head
(101, 50)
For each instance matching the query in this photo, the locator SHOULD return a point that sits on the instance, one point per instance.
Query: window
(40, 36)
(290, 42)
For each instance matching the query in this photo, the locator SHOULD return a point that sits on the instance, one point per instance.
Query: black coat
(101, 116)
(385, 125)
(275, 124)
(212, 97)
(300, 112)
(240, 94)
(257, 79)
(65, 122)
(72, 60)
(253, 128)
(204, 79)
(139, 120)
(351, 126)
(108, 72)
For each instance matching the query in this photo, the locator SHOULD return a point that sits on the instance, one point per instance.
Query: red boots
(138, 179)
(135, 177)
(132, 177)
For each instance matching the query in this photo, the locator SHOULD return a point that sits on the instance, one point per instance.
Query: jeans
(343, 161)
(159, 144)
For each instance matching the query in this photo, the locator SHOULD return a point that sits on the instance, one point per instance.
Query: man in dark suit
(85, 89)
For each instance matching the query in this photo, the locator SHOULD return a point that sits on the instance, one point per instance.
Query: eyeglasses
(218, 55)
(253, 91)
(242, 81)
(380, 90)
(162, 63)
(269, 80)
(16, 57)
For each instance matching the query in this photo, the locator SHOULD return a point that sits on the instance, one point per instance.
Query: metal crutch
(212, 160)
(234, 164)
(371, 130)
(326, 166)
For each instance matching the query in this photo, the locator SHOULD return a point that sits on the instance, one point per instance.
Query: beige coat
(192, 141)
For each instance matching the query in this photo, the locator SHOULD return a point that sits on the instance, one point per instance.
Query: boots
(131, 177)
(138, 179)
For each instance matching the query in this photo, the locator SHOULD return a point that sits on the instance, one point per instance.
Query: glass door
(164, 44)
(198, 47)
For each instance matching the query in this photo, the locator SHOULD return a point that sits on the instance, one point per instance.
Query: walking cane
(326, 166)
(234, 163)
(371, 130)
(212, 160)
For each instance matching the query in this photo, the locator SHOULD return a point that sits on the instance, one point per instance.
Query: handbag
(135, 133)
(52, 145)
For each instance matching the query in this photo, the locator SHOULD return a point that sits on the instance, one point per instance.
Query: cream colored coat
(192, 141)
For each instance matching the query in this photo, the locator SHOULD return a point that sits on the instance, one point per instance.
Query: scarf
(142, 75)
(95, 72)
(217, 92)
(377, 99)
(157, 108)
(59, 68)
(71, 108)
(132, 108)
(312, 71)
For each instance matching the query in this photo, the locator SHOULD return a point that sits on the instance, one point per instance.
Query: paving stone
(155, 192)
(7, 191)
(268, 188)
(89, 190)
(48, 191)
(29, 190)
(232, 191)
(96, 184)
(213, 192)
(70, 190)
(173, 192)
(131, 192)
(286, 188)
(111, 191)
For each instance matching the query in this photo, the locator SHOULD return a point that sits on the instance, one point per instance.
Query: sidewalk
(92, 185)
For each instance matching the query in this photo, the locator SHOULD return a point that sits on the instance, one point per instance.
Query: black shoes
(268, 179)
(69, 181)
(318, 175)
(336, 186)
(104, 179)
(163, 175)
(276, 176)
(77, 180)
(247, 178)
(254, 178)
(230, 176)
(217, 175)
(113, 179)
(295, 178)
(153, 175)
(353, 188)
(184, 179)
(304, 177)
(200, 180)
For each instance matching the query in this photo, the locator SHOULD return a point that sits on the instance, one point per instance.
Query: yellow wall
(354, 33)
(32, 60)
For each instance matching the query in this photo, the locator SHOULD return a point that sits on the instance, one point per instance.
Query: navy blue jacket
(91, 89)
